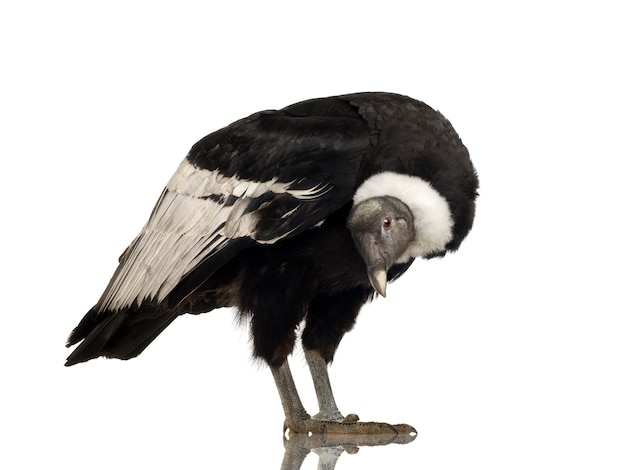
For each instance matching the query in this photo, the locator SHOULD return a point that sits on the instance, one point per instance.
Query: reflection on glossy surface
(329, 447)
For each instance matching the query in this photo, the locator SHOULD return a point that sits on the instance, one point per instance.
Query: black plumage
(294, 215)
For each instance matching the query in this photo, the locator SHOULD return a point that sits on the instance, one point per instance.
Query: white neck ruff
(431, 213)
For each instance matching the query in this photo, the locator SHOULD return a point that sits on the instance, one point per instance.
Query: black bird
(296, 215)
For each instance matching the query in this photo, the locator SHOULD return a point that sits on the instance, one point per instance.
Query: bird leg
(321, 382)
(329, 420)
(292, 405)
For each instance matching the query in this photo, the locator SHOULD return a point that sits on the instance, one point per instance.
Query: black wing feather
(315, 148)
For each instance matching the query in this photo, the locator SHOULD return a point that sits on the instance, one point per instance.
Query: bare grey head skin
(382, 229)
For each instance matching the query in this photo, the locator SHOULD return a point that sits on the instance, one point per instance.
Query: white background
(507, 354)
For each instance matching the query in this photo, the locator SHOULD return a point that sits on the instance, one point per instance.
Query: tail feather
(95, 334)
(114, 335)
(132, 339)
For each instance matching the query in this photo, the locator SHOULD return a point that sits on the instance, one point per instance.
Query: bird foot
(329, 447)
(349, 425)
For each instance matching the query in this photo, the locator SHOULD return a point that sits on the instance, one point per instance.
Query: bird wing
(258, 181)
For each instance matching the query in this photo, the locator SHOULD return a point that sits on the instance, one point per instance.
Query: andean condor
(293, 216)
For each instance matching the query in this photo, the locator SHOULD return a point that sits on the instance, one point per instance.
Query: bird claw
(349, 425)
(329, 447)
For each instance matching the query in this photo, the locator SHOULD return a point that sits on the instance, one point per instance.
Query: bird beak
(378, 278)
(375, 262)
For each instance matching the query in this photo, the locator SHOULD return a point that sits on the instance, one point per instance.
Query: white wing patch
(194, 218)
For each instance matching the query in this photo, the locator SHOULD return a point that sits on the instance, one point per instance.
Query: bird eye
(387, 222)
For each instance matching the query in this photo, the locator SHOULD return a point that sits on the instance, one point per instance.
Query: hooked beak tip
(378, 279)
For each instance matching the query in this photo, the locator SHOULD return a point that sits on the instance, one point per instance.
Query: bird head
(396, 218)
(382, 228)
